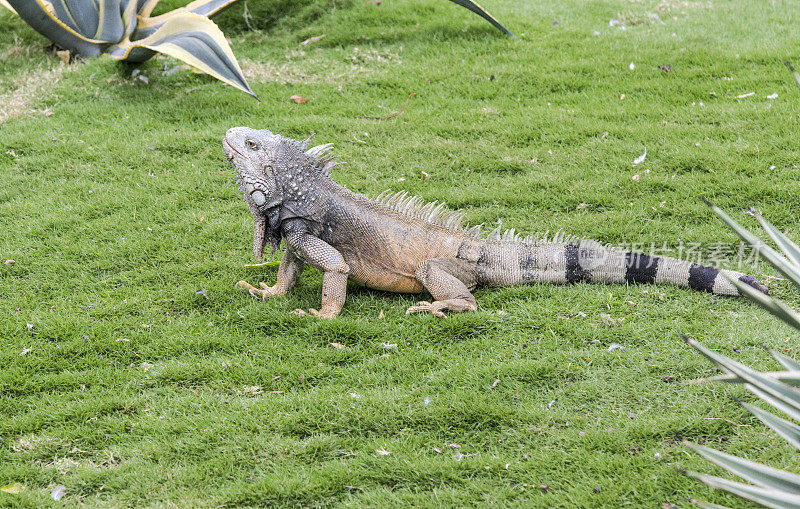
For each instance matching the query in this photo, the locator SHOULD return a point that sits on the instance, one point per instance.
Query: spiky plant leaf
(774, 306)
(774, 388)
(765, 496)
(480, 11)
(789, 248)
(762, 475)
(4, 3)
(206, 8)
(775, 403)
(778, 389)
(41, 17)
(772, 256)
(786, 361)
(787, 429)
(145, 7)
(788, 377)
(194, 39)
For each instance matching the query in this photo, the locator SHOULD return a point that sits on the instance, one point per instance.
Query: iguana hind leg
(449, 281)
(288, 273)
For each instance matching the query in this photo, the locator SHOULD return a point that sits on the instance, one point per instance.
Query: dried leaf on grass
(14, 488)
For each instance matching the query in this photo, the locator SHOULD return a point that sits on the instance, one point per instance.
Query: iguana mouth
(230, 158)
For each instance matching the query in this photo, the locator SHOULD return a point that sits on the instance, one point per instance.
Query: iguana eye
(251, 144)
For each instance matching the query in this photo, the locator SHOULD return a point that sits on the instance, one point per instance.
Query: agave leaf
(775, 403)
(768, 497)
(480, 11)
(779, 390)
(789, 248)
(786, 361)
(774, 258)
(787, 429)
(774, 306)
(40, 15)
(148, 25)
(99, 22)
(4, 3)
(763, 475)
(208, 7)
(194, 39)
(788, 377)
(145, 7)
(129, 19)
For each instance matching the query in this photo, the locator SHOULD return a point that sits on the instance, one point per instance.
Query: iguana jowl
(399, 243)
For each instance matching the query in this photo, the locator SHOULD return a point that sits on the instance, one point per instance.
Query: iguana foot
(436, 307)
(265, 292)
(323, 313)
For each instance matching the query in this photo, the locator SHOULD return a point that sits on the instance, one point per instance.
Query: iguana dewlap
(399, 243)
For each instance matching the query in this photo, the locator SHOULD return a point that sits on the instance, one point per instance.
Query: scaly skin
(396, 244)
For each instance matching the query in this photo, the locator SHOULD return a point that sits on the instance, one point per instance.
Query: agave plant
(125, 30)
(768, 486)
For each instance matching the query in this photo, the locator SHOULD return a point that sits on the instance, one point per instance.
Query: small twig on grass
(247, 18)
(391, 115)
(726, 420)
(795, 73)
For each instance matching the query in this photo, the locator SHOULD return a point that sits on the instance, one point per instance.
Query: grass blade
(779, 390)
(789, 248)
(772, 256)
(768, 497)
(757, 473)
(787, 429)
(708, 505)
(262, 265)
(197, 41)
(480, 11)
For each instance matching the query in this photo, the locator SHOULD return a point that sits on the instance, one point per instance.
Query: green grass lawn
(117, 206)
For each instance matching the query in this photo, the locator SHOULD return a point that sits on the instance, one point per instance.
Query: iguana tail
(507, 263)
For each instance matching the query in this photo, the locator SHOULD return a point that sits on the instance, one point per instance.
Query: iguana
(399, 243)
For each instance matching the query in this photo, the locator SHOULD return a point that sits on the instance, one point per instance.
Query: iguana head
(271, 169)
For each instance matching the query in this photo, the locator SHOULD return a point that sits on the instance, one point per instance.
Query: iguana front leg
(320, 254)
(288, 273)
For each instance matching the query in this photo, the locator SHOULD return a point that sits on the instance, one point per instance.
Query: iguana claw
(265, 292)
(320, 314)
(424, 305)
